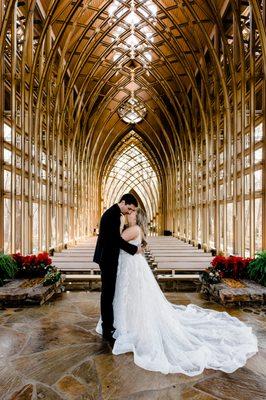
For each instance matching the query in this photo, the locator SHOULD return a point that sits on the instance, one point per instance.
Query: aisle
(52, 352)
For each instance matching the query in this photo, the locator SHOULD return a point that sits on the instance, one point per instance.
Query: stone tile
(61, 305)
(190, 393)
(88, 308)
(53, 334)
(243, 384)
(49, 366)
(260, 333)
(26, 315)
(89, 324)
(175, 297)
(9, 380)
(46, 393)
(86, 372)
(257, 363)
(11, 342)
(120, 377)
(25, 393)
(164, 394)
(72, 389)
(63, 343)
(62, 317)
(174, 393)
(75, 296)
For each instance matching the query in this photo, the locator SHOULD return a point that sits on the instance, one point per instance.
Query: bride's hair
(141, 219)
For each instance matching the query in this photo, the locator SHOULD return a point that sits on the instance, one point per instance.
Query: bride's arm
(130, 233)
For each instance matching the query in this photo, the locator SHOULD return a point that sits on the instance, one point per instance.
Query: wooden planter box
(19, 292)
(253, 294)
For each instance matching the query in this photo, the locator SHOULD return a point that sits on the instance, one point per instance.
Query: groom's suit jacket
(109, 240)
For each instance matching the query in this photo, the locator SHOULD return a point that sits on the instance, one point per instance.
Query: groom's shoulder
(110, 211)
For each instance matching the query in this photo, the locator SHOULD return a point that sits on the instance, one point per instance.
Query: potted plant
(8, 268)
(257, 268)
(233, 267)
(32, 266)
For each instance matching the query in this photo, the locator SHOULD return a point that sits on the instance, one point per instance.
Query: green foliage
(8, 268)
(210, 276)
(52, 276)
(257, 268)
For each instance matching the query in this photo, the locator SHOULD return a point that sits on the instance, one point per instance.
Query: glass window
(258, 224)
(230, 227)
(18, 184)
(258, 155)
(18, 225)
(247, 141)
(7, 225)
(18, 162)
(247, 228)
(247, 183)
(35, 244)
(7, 133)
(258, 133)
(247, 161)
(18, 141)
(44, 230)
(7, 181)
(258, 179)
(7, 156)
(221, 192)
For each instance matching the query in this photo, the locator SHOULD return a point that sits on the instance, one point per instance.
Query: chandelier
(132, 111)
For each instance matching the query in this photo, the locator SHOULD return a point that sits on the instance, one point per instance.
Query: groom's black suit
(106, 255)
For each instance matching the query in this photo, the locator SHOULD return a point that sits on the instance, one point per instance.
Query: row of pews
(171, 260)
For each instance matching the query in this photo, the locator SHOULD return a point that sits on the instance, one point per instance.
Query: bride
(166, 337)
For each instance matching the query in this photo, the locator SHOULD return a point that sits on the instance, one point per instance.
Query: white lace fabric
(169, 338)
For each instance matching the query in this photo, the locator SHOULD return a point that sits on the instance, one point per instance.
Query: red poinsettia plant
(32, 265)
(232, 266)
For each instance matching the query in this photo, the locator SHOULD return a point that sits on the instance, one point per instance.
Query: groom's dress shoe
(109, 338)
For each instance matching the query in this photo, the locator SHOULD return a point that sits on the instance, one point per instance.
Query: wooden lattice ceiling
(93, 42)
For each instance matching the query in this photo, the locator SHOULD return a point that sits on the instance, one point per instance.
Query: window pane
(230, 227)
(35, 244)
(258, 133)
(258, 155)
(247, 183)
(7, 225)
(258, 179)
(247, 229)
(7, 181)
(18, 184)
(258, 224)
(7, 156)
(43, 226)
(7, 133)
(18, 225)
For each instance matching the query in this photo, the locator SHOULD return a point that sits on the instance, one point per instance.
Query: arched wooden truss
(64, 73)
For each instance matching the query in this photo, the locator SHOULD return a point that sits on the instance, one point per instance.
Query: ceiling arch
(132, 169)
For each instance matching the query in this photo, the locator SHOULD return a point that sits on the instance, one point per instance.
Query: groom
(106, 255)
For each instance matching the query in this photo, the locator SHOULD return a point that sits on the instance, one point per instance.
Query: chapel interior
(164, 99)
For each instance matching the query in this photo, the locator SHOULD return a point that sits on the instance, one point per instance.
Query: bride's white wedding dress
(169, 338)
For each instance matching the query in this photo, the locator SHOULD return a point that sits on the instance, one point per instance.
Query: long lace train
(171, 338)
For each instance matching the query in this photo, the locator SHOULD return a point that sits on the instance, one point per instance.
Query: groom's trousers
(108, 276)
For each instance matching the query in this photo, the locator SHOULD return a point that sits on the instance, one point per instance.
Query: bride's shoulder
(130, 233)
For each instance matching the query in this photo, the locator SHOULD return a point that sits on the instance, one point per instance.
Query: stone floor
(52, 352)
